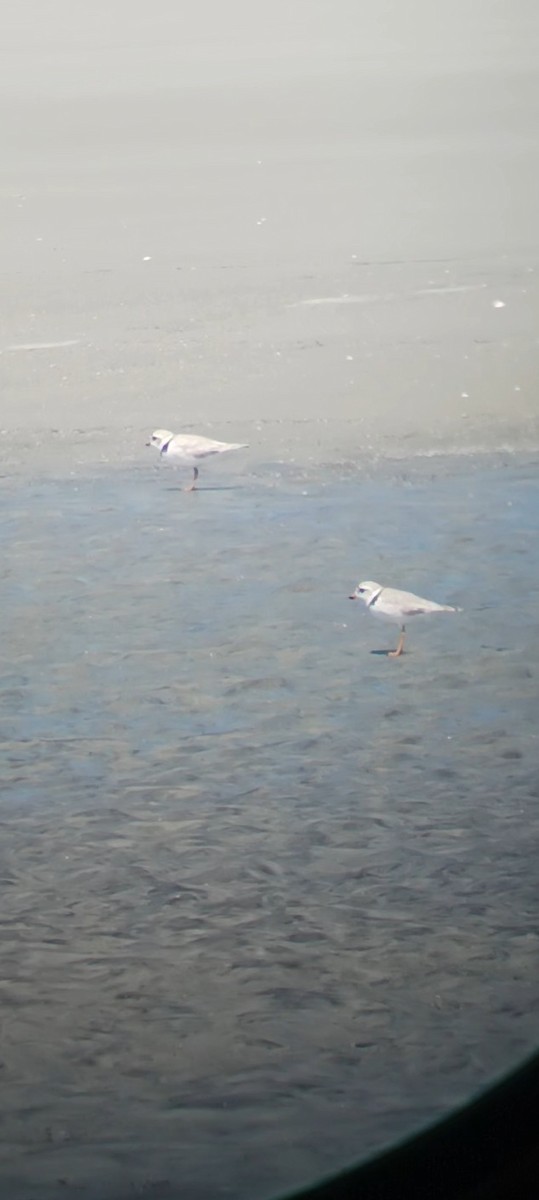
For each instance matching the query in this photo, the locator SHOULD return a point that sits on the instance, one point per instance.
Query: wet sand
(269, 898)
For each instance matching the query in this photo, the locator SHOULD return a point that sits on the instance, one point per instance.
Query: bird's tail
(450, 608)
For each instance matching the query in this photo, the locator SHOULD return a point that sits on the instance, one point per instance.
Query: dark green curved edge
(487, 1150)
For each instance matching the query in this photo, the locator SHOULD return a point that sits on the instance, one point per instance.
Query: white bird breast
(181, 458)
(391, 617)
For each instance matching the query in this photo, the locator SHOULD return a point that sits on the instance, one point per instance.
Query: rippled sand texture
(268, 897)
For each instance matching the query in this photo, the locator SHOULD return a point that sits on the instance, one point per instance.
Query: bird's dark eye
(361, 590)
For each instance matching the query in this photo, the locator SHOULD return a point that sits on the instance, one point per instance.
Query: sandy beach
(269, 898)
(239, 215)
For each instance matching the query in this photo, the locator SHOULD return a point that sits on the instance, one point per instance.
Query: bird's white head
(365, 591)
(159, 438)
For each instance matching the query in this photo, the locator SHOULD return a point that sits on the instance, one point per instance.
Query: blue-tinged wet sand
(269, 899)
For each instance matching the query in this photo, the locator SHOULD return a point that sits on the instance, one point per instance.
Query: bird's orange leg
(400, 648)
(192, 486)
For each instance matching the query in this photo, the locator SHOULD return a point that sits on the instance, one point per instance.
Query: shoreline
(299, 446)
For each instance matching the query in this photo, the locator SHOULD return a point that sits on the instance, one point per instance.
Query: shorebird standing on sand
(186, 449)
(396, 607)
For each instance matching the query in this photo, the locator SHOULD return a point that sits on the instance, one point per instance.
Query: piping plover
(397, 607)
(186, 449)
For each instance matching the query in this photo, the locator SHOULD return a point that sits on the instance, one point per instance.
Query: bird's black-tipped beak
(354, 597)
